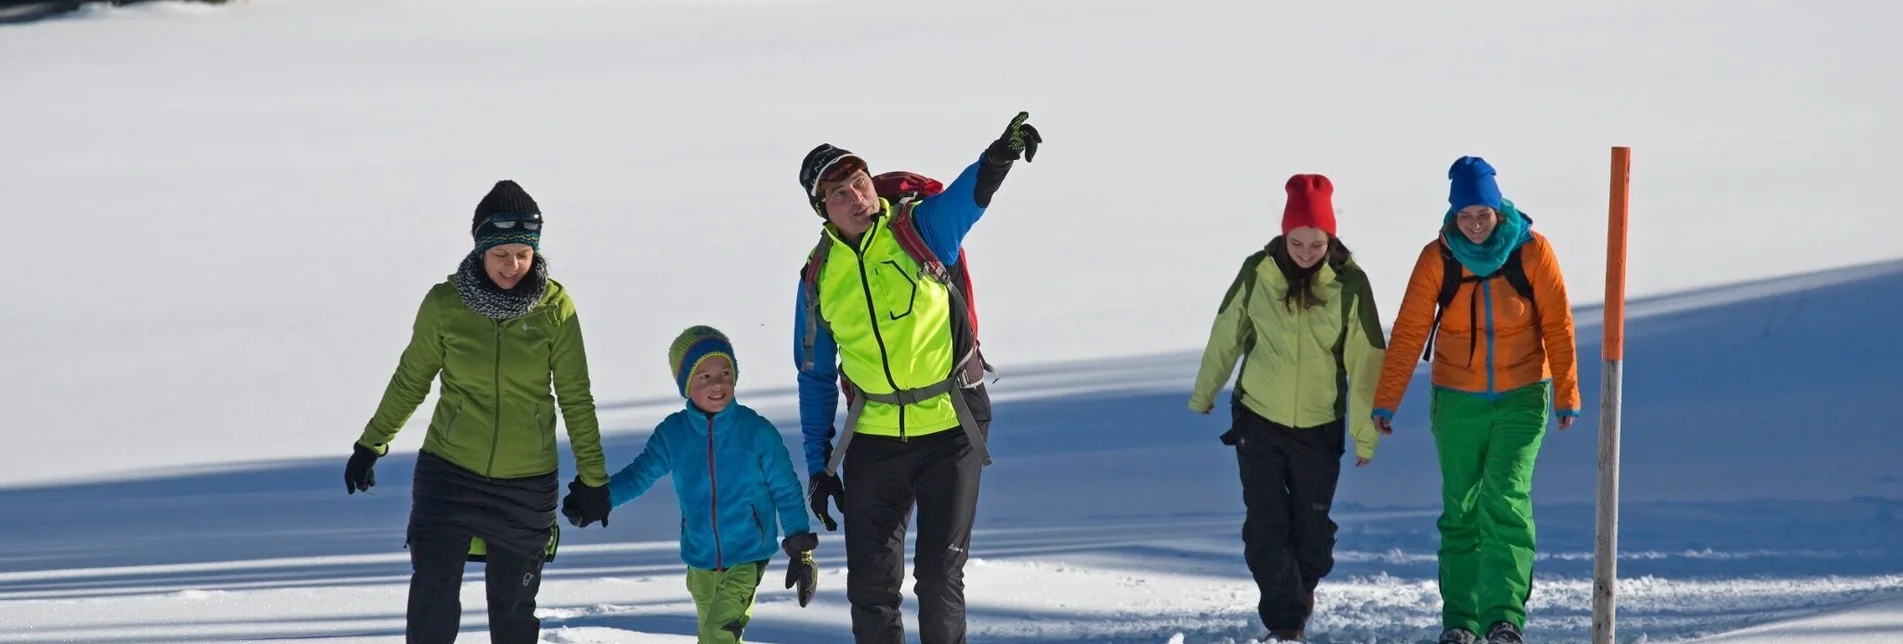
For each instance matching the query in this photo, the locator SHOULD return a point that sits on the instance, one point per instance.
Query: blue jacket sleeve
(788, 496)
(945, 218)
(635, 479)
(818, 386)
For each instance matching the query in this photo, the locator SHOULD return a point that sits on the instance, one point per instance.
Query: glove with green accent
(821, 487)
(1019, 138)
(800, 569)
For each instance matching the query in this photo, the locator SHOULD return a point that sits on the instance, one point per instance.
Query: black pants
(448, 506)
(884, 477)
(435, 611)
(1288, 486)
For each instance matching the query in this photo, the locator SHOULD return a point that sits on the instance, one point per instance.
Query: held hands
(800, 569)
(586, 504)
(824, 485)
(359, 473)
(1019, 138)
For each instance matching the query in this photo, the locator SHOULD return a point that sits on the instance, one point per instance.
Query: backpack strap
(957, 283)
(1450, 281)
(1513, 270)
(809, 283)
(1516, 275)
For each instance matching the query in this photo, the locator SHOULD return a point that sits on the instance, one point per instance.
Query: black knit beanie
(508, 199)
(825, 163)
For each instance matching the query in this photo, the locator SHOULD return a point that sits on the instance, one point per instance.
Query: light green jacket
(496, 414)
(1301, 366)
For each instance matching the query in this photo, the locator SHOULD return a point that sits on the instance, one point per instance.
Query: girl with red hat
(1304, 315)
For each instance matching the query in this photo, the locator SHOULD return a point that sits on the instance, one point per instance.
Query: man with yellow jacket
(1487, 304)
(901, 337)
(1302, 318)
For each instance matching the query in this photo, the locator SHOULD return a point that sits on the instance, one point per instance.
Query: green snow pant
(1487, 449)
(724, 600)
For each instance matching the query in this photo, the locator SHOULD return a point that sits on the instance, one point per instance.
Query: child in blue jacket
(734, 476)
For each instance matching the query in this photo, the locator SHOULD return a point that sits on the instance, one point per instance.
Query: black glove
(1019, 138)
(821, 486)
(359, 475)
(800, 569)
(586, 504)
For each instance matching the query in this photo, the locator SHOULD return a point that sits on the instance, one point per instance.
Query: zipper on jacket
(757, 523)
(1487, 288)
(495, 434)
(713, 496)
(872, 314)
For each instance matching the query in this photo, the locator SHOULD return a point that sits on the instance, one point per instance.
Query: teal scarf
(1487, 257)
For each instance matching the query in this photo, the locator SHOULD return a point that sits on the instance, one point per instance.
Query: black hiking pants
(435, 610)
(883, 478)
(448, 506)
(1288, 486)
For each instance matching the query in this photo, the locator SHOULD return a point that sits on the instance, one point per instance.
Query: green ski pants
(724, 600)
(1487, 449)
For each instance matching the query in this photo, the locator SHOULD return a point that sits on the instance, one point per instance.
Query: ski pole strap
(966, 419)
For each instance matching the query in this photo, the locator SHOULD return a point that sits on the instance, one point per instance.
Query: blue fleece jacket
(732, 474)
(943, 220)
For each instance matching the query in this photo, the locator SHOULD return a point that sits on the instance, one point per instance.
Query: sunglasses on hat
(837, 169)
(508, 221)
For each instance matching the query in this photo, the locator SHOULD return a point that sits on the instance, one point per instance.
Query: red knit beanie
(1311, 202)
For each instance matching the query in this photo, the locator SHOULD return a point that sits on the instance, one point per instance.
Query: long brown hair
(1301, 281)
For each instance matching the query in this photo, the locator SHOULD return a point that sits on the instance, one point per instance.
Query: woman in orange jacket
(1487, 305)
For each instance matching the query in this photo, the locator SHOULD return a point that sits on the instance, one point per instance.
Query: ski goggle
(837, 169)
(508, 221)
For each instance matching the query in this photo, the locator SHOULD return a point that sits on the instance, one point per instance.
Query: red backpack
(904, 189)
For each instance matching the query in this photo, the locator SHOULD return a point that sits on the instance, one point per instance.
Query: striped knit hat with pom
(695, 345)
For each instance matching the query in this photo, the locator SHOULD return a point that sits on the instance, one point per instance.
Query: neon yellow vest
(893, 328)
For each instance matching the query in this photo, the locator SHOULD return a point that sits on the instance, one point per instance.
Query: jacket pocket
(898, 290)
(449, 428)
(1454, 350)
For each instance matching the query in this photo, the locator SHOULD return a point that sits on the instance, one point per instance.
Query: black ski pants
(884, 477)
(435, 611)
(1288, 487)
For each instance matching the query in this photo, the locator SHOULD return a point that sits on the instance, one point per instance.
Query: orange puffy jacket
(1499, 348)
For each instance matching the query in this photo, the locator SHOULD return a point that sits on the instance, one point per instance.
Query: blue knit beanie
(1470, 183)
(694, 346)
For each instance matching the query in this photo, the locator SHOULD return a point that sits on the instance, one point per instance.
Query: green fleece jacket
(1301, 366)
(496, 414)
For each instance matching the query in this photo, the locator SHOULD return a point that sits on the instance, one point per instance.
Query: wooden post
(1606, 542)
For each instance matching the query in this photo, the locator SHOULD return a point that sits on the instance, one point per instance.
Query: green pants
(1487, 448)
(724, 600)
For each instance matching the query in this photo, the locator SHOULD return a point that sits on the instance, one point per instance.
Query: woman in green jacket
(1302, 318)
(501, 334)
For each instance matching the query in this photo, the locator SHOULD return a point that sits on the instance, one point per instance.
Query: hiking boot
(1504, 633)
(1458, 636)
(1286, 635)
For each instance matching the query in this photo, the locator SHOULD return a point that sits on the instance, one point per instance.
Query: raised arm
(569, 364)
(945, 218)
(422, 359)
(1409, 336)
(1227, 337)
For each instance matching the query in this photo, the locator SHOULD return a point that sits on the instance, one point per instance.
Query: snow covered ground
(232, 212)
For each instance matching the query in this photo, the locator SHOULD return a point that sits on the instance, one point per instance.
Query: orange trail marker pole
(1606, 533)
